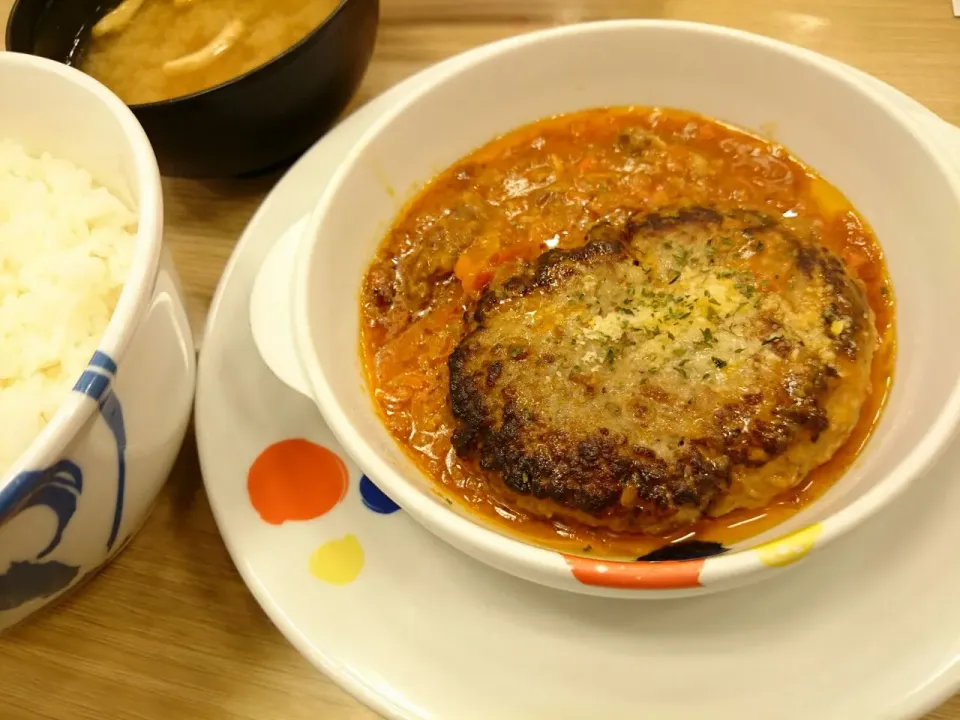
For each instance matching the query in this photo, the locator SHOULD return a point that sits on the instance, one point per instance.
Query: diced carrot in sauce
(472, 273)
(475, 273)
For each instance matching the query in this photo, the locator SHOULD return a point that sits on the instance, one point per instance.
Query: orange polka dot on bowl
(296, 480)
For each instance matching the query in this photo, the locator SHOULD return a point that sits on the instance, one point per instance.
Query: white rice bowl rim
(76, 408)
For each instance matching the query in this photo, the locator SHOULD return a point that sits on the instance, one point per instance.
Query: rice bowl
(65, 252)
(98, 368)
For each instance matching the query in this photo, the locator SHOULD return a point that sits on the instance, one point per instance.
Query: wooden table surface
(169, 630)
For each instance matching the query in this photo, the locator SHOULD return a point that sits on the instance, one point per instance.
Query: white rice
(65, 250)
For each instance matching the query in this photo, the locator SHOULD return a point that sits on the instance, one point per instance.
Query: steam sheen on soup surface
(628, 327)
(153, 50)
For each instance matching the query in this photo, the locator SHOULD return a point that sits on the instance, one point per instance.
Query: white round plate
(415, 629)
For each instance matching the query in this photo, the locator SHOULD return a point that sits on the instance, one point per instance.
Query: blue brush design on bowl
(60, 494)
(376, 499)
(686, 550)
(59, 488)
(95, 383)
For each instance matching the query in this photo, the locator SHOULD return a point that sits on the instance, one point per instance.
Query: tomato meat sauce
(541, 187)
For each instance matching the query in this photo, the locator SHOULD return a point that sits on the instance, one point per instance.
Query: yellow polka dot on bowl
(790, 548)
(337, 562)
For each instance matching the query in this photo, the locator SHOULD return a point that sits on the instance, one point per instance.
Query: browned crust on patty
(651, 376)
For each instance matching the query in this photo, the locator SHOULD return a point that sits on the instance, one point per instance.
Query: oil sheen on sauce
(541, 186)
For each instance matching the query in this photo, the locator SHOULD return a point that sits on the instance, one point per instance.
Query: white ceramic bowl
(843, 127)
(74, 498)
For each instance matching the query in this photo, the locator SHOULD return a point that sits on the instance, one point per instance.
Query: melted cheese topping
(654, 344)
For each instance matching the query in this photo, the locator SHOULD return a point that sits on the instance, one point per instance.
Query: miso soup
(152, 50)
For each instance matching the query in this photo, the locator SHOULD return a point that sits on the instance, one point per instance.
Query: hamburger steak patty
(690, 362)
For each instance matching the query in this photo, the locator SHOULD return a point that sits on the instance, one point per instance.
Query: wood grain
(169, 630)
